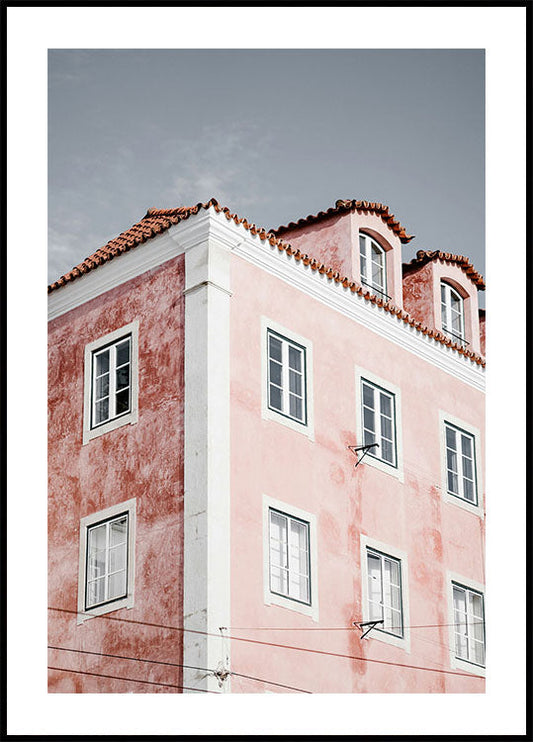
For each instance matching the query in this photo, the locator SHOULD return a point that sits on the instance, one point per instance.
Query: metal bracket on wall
(355, 450)
(362, 625)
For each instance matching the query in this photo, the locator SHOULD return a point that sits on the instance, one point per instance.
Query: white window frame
(374, 546)
(446, 310)
(464, 427)
(458, 663)
(362, 375)
(269, 413)
(365, 249)
(125, 508)
(273, 598)
(91, 349)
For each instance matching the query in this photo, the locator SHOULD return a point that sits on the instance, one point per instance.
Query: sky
(274, 135)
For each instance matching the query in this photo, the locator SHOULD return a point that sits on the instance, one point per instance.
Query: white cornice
(209, 224)
(278, 263)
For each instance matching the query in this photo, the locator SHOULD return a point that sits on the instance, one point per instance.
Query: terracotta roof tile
(343, 206)
(153, 223)
(425, 256)
(158, 220)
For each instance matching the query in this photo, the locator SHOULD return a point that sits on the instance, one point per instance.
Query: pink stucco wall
(319, 477)
(143, 460)
(482, 324)
(418, 297)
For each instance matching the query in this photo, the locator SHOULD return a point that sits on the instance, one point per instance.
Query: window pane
(117, 558)
(368, 396)
(123, 401)
(95, 592)
(123, 377)
(274, 348)
(387, 451)
(368, 419)
(478, 652)
(118, 530)
(450, 438)
(278, 580)
(102, 362)
(468, 488)
(386, 428)
(466, 446)
(102, 410)
(295, 358)
(96, 564)
(275, 397)
(117, 585)
(386, 404)
(459, 599)
(368, 438)
(295, 407)
(278, 530)
(275, 373)
(102, 386)
(374, 586)
(295, 382)
(453, 483)
(97, 537)
(123, 352)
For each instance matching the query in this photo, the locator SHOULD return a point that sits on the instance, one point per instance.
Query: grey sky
(274, 135)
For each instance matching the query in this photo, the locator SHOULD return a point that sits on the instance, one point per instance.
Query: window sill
(118, 422)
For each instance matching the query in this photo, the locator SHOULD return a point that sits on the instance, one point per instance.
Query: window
(378, 422)
(287, 377)
(111, 382)
(111, 388)
(372, 265)
(289, 557)
(106, 568)
(460, 464)
(452, 313)
(469, 625)
(385, 592)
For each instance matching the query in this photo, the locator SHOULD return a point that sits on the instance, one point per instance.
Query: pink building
(266, 460)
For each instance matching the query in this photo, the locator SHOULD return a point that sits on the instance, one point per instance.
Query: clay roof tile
(345, 206)
(425, 256)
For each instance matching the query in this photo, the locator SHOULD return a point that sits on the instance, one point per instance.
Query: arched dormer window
(373, 265)
(452, 313)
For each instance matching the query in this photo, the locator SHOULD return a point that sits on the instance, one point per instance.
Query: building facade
(266, 460)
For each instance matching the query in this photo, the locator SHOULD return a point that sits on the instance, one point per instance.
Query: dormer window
(452, 313)
(373, 265)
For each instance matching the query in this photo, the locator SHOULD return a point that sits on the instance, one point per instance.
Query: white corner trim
(307, 429)
(456, 662)
(132, 329)
(271, 598)
(394, 471)
(128, 507)
(206, 524)
(371, 543)
(448, 497)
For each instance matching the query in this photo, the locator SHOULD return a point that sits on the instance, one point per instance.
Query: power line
(134, 659)
(175, 664)
(131, 680)
(283, 646)
(334, 628)
(269, 682)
